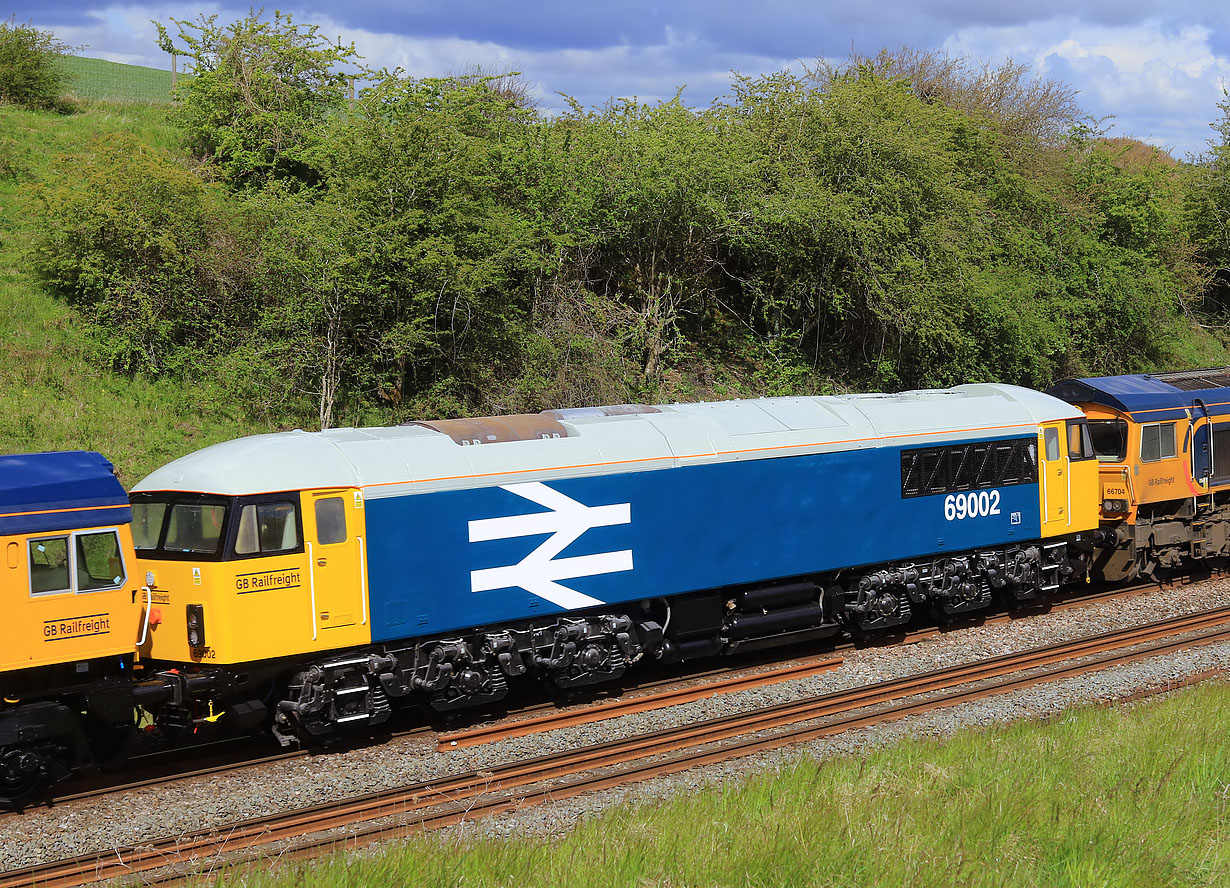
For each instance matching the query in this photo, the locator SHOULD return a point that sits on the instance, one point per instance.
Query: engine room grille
(1195, 380)
(977, 466)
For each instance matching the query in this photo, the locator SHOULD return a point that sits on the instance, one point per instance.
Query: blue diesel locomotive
(315, 580)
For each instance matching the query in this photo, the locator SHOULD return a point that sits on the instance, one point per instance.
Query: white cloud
(648, 72)
(1160, 84)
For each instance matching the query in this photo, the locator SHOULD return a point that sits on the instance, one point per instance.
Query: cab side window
(267, 529)
(49, 565)
(1080, 446)
(99, 562)
(1051, 440)
(84, 562)
(331, 520)
(1157, 442)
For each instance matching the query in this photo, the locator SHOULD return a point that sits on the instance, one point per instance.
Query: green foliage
(1026, 111)
(437, 247)
(640, 197)
(862, 227)
(261, 93)
(30, 71)
(445, 245)
(57, 393)
(12, 162)
(149, 253)
(1207, 205)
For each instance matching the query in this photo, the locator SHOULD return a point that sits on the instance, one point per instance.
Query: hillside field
(112, 81)
(56, 396)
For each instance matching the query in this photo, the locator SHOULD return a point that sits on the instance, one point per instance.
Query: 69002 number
(975, 504)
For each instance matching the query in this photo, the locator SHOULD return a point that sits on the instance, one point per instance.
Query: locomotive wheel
(22, 774)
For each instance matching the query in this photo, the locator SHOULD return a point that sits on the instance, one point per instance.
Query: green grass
(54, 392)
(1121, 797)
(100, 79)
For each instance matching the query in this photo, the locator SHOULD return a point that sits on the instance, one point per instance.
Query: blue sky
(1157, 68)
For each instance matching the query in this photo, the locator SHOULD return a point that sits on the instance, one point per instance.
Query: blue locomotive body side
(438, 562)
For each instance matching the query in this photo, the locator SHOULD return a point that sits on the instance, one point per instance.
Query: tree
(418, 167)
(1022, 107)
(1208, 215)
(309, 338)
(261, 94)
(31, 73)
(642, 194)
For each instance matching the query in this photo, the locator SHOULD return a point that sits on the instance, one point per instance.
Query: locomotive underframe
(1164, 535)
(59, 718)
(360, 687)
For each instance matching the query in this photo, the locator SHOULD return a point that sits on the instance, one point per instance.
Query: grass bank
(56, 395)
(101, 79)
(1121, 797)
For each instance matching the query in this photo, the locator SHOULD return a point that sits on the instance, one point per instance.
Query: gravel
(89, 825)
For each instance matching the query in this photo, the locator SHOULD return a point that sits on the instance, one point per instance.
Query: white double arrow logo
(539, 572)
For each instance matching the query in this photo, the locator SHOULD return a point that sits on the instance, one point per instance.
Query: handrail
(149, 603)
(363, 577)
(312, 587)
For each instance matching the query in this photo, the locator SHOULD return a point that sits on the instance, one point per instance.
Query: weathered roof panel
(392, 461)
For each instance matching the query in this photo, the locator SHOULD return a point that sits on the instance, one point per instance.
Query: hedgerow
(438, 246)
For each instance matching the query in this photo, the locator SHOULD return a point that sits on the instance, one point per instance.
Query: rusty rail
(524, 783)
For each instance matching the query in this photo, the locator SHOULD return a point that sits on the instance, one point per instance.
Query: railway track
(226, 757)
(555, 718)
(520, 784)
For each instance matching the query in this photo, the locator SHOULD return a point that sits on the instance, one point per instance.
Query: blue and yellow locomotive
(1163, 448)
(73, 609)
(316, 580)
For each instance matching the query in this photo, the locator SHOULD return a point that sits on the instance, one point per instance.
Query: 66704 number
(975, 504)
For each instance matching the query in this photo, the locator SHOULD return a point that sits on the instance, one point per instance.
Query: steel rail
(627, 706)
(462, 796)
(509, 726)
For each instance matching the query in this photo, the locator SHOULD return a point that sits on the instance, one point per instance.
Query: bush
(155, 261)
(12, 165)
(261, 93)
(30, 71)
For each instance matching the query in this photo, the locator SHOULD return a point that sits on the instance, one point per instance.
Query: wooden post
(174, 71)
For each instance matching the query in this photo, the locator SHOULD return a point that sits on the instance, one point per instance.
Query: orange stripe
(624, 462)
(1164, 409)
(61, 511)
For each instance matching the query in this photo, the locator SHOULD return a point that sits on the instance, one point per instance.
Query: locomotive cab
(1161, 498)
(73, 609)
(239, 579)
(1068, 477)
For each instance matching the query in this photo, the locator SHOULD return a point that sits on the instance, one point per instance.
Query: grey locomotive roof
(415, 459)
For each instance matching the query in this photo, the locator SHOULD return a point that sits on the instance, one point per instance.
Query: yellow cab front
(238, 579)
